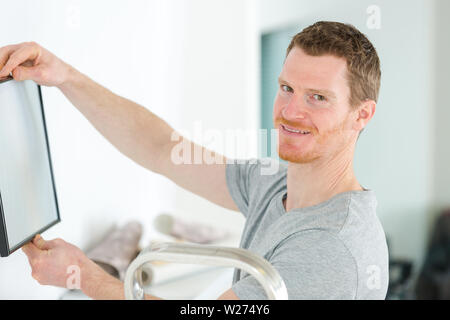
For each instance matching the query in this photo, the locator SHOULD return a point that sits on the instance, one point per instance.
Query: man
(311, 220)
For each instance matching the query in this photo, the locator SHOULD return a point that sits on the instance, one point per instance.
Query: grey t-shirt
(333, 250)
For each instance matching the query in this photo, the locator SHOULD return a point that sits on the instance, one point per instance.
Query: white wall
(129, 49)
(395, 155)
(186, 60)
(220, 88)
(442, 115)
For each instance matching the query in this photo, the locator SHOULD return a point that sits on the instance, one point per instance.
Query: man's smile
(293, 131)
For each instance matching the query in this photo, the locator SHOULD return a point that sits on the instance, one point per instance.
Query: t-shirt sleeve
(239, 175)
(314, 264)
(248, 180)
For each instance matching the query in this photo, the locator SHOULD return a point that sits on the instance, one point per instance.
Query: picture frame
(39, 222)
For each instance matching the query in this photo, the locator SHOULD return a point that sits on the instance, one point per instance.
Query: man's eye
(286, 88)
(319, 97)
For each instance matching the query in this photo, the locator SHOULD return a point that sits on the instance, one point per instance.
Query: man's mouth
(293, 130)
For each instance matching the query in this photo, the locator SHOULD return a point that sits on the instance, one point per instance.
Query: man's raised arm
(132, 129)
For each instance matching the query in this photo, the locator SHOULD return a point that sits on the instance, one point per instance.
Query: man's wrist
(70, 78)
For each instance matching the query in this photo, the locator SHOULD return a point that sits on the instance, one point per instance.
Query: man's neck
(312, 183)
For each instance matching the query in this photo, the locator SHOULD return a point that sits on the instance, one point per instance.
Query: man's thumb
(40, 242)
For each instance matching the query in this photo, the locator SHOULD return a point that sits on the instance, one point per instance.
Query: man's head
(328, 88)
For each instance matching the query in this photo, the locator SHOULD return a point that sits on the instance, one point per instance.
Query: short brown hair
(344, 41)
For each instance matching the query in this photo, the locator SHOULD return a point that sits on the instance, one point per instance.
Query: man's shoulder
(262, 167)
(262, 176)
(254, 182)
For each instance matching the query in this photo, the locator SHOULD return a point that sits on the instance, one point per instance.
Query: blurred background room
(213, 65)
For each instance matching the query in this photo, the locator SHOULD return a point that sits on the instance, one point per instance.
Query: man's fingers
(5, 53)
(16, 58)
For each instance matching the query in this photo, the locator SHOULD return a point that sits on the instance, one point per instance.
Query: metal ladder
(261, 269)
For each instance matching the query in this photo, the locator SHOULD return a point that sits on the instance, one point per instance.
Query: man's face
(313, 97)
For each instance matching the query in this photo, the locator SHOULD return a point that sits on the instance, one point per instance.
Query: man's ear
(364, 114)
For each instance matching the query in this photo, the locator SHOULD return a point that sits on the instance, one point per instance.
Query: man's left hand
(57, 263)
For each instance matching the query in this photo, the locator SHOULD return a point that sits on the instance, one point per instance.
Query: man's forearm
(134, 130)
(99, 285)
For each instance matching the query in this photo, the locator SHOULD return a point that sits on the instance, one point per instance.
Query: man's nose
(294, 110)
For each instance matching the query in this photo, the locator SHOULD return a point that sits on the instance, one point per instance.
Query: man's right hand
(30, 61)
